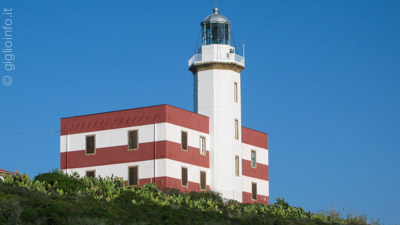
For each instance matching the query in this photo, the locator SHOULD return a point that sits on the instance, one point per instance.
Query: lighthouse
(216, 72)
(207, 149)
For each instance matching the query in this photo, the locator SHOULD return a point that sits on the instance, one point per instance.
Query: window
(133, 140)
(236, 129)
(184, 177)
(237, 166)
(235, 92)
(91, 173)
(254, 191)
(184, 141)
(133, 175)
(90, 145)
(202, 145)
(253, 159)
(203, 183)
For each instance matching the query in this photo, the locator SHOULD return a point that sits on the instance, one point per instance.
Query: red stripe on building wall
(191, 156)
(187, 119)
(255, 138)
(134, 117)
(260, 172)
(246, 198)
(120, 154)
(170, 182)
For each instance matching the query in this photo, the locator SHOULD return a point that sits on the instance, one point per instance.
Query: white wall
(262, 185)
(118, 137)
(261, 153)
(164, 167)
(214, 97)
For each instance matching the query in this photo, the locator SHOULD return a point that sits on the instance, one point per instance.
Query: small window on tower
(184, 140)
(237, 166)
(254, 191)
(253, 159)
(202, 145)
(236, 129)
(184, 176)
(91, 173)
(235, 92)
(133, 175)
(133, 140)
(90, 145)
(203, 184)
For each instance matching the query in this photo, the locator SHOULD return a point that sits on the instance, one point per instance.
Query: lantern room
(216, 29)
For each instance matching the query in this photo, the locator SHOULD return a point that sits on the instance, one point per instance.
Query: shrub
(171, 191)
(109, 201)
(61, 181)
(215, 196)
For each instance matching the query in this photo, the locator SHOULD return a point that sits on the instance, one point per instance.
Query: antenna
(244, 46)
(215, 8)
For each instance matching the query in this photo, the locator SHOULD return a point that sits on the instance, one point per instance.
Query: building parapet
(228, 58)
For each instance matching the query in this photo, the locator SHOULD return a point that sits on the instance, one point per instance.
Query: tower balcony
(197, 59)
(228, 58)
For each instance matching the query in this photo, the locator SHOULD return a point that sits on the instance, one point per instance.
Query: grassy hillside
(56, 198)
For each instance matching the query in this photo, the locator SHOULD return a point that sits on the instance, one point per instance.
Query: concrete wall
(112, 145)
(214, 97)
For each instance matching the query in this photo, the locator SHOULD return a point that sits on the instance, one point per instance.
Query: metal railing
(197, 58)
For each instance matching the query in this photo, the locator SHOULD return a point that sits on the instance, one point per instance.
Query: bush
(172, 191)
(215, 196)
(57, 198)
(61, 181)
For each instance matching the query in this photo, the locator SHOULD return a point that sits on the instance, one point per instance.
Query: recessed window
(184, 176)
(91, 173)
(237, 165)
(235, 92)
(202, 145)
(254, 191)
(90, 145)
(133, 140)
(253, 159)
(184, 140)
(203, 183)
(133, 175)
(236, 129)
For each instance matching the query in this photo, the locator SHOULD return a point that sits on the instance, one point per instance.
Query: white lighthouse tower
(216, 72)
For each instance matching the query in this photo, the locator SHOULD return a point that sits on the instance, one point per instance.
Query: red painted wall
(170, 182)
(135, 117)
(260, 172)
(120, 154)
(164, 149)
(246, 198)
(255, 138)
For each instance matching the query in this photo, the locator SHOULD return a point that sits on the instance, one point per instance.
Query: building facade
(207, 149)
(4, 173)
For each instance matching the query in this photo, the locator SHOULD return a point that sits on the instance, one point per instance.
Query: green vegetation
(56, 198)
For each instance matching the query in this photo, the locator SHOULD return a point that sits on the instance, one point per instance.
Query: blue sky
(322, 78)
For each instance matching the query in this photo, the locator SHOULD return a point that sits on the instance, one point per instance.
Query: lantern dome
(216, 29)
(216, 18)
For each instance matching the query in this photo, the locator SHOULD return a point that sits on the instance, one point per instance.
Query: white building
(207, 149)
